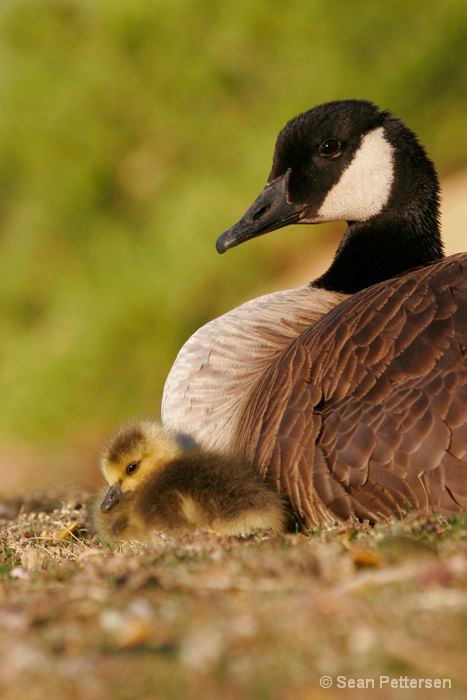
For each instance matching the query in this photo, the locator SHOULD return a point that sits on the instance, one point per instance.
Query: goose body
(350, 393)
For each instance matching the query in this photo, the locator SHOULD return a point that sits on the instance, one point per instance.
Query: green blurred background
(132, 132)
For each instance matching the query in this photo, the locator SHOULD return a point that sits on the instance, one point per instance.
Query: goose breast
(217, 368)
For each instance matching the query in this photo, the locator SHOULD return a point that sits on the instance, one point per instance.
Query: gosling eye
(131, 468)
(330, 148)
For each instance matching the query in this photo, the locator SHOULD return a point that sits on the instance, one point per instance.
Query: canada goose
(349, 393)
(156, 484)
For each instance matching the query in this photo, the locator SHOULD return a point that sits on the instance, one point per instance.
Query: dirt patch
(211, 617)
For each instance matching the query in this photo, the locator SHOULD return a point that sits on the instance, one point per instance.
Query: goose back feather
(365, 413)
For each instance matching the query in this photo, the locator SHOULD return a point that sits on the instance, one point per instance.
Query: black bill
(112, 497)
(270, 211)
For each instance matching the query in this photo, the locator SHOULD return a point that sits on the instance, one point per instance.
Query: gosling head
(136, 452)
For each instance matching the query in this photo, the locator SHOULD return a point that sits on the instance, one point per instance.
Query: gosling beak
(111, 499)
(270, 211)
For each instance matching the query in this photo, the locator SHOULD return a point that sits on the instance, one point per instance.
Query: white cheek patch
(365, 185)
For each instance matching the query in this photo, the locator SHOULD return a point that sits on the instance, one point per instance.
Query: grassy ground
(234, 618)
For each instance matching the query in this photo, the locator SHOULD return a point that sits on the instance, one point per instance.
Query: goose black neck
(372, 252)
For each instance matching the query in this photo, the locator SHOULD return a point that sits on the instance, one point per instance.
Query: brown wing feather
(365, 413)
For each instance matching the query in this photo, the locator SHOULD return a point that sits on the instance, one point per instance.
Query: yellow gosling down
(154, 484)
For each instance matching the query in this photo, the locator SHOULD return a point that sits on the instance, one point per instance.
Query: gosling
(157, 484)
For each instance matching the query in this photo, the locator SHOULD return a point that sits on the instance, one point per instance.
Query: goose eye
(131, 468)
(330, 148)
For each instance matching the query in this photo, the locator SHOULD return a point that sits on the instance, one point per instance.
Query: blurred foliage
(132, 132)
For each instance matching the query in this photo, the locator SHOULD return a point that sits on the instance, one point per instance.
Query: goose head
(349, 161)
(133, 455)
